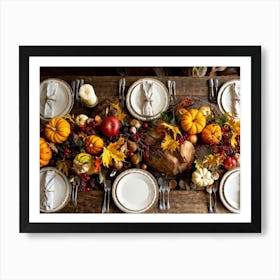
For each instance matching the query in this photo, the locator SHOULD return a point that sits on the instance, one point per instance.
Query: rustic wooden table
(182, 201)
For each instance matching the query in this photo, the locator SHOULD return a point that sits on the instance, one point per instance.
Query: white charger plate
(135, 99)
(135, 191)
(62, 189)
(230, 190)
(224, 97)
(64, 98)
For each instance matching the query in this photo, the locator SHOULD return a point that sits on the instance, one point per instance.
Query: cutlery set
(213, 85)
(75, 181)
(172, 91)
(75, 85)
(163, 187)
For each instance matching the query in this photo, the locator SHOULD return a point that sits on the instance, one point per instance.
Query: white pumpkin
(202, 177)
(81, 119)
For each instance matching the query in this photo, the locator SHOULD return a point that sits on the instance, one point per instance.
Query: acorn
(135, 123)
(143, 166)
(132, 146)
(135, 159)
(133, 130)
(98, 120)
(118, 165)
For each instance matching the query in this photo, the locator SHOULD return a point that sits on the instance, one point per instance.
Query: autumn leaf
(111, 152)
(63, 166)
(213, 160)
(198, 164)
(70, 118)
(120, 115)
(169, 143)
(233, 141)
(174, 129)
(53, 147)
(234, 125)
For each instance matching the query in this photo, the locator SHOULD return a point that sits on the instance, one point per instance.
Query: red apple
(230, 163)
(110, 126)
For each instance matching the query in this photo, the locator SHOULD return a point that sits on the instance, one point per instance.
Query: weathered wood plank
(180, 201)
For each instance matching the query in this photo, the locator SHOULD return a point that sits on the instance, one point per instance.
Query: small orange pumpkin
(193, 121)
(94, 144)
(57, 130)
(212, 133)
(45, 152)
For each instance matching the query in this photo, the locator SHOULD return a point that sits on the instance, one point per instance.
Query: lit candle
(87, 95)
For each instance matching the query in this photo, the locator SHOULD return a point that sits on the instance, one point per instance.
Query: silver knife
(123, 95)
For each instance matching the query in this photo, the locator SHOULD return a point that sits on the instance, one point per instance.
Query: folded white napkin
(148, 92)
(49, 187)
(50, 99)
(235, 98)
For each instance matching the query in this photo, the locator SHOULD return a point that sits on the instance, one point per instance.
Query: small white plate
(230, 190)
(135, 191)
(63, 98)
(135, 99)
(224, 98)
(61, 192)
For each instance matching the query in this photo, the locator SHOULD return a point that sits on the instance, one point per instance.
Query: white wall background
(138, 256)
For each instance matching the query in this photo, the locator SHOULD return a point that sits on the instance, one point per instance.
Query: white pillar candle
(87, 95)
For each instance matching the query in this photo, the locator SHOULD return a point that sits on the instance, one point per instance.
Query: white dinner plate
(230, 190)
(135, 191)
(135, 99)
(60, 192)
(224, 98)
(63, 99)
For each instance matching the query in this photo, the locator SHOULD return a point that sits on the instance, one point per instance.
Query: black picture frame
(254, 52)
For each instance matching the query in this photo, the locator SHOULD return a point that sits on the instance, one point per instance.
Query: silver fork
(215, 188)
(161, 194)
(108, 186)
(210, 208)
(167, 188)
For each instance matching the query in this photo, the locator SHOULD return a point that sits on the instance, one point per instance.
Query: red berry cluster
(88, 128)
(84, 178)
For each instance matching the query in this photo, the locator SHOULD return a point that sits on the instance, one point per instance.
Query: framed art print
(140, 138)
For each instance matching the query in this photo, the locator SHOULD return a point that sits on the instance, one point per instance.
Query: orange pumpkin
(193, 121)
(57, 130)
(45, 152)
(212, 133)
(94, 144)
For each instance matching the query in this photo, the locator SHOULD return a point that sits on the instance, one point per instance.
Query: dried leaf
(63, 166)
(174, 129)
(111, 152)
(53, 147)
(120, 115)
(198, 164)
(169, 143)
(213, 160)
(233, 141)
(70, 118)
